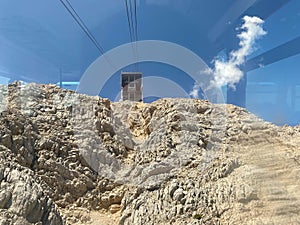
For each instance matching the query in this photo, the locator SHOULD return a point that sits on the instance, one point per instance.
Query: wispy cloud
(194, 93)
(228, 71)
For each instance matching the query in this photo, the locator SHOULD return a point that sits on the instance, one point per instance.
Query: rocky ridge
(75, 159)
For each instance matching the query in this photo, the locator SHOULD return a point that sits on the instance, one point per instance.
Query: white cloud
(194, 93)
(228, 72)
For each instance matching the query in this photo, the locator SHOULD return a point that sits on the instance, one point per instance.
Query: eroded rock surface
(75, 159)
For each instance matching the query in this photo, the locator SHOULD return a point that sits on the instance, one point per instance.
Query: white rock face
(65, 157)
(22, 198)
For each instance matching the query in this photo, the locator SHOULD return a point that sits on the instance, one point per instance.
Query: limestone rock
(22, 199)
(66, 156)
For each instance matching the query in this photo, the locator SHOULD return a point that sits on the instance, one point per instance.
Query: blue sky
(272, 99)
(39, 42)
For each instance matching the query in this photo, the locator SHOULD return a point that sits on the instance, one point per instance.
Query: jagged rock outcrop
(77, 159)
(22, 195)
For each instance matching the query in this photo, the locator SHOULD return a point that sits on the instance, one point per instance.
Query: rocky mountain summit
(67, 158)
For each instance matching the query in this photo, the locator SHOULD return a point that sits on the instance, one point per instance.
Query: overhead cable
(129, 20)
(136, 23)
(86, 30)
(131, 12)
